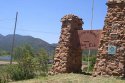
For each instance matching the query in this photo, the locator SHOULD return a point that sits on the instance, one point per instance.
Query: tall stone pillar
(111, 53)
(67, 58)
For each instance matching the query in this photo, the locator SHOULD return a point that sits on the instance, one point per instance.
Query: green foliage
(25, 67)
(18, 72)
(23, 53)
(4, 77)
(28, 65)
(3, 52)
(92, 60)
(42, 61)
(51, 57)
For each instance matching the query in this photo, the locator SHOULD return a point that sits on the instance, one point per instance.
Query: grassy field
(73, 78)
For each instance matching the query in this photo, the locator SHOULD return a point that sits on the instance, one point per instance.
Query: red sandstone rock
(67, 58)
(113, 33)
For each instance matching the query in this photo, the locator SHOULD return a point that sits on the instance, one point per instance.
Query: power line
(39, 31)
(26, 30)
(8, 19)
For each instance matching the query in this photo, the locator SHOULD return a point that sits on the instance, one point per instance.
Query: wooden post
(13, 42)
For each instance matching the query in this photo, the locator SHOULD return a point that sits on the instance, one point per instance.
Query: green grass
(73, 78)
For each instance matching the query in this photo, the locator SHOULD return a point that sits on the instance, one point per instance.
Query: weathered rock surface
(116, 1)
(113, 34)
(67, 58)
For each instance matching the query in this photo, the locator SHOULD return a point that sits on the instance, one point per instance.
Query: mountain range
(36, 43)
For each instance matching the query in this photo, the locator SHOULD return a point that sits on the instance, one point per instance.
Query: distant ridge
(36, 43)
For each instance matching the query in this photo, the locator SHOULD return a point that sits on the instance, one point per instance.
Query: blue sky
(41, 18)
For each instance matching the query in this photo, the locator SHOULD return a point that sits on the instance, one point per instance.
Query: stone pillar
(67, 58)
(113, 35)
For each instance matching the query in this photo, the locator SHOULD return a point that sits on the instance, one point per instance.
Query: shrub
(92, 60)
(25, 67)
(42, 61)
(28, 66)
(18, 72)
(4, 77)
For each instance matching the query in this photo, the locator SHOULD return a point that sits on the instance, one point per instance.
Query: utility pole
(91, 29)
(13, 42)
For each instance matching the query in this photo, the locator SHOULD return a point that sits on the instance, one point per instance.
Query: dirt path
(5, 62)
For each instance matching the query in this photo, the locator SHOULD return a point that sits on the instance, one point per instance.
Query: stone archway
(67, 57)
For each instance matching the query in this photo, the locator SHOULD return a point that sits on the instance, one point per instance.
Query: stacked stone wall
(113, 34)
(67, 58)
